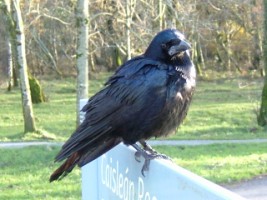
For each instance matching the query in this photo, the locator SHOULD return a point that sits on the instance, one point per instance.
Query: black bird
(148, 96)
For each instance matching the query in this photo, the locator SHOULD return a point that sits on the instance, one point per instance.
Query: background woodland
(226, 36)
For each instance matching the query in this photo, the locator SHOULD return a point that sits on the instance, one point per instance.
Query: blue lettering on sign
(116, 180)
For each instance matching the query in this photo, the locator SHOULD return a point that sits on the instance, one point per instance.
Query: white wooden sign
(117, 175)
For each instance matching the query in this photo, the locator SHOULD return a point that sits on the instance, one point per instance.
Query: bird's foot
(147, 147)
(148, 155)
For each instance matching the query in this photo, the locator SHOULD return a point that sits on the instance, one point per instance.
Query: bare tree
(221, 31)
(262, 117)
(11, 37)
(128, 27)
(82, 17)
(10, 60)
(10, 66)
(29, 123)
(130, 6)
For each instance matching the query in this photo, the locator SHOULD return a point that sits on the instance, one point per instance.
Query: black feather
(148, 96)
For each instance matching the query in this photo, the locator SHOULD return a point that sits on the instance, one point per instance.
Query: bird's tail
(82, 156)
(66, 167)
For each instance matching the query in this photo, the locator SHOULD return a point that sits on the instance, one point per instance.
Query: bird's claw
(145, 167)
(137, 156)
(163, 156)
(148, 155)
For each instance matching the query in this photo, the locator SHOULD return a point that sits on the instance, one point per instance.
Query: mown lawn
(224, 109)
(221, 109)
(25, 175)
(221, 163)
(25, 172)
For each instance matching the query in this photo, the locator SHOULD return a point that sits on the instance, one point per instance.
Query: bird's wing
(126, 91)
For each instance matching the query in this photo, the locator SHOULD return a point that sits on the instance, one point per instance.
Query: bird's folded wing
(125, 93)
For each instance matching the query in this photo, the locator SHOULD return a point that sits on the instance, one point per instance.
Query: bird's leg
(148, 148)
(147, 155)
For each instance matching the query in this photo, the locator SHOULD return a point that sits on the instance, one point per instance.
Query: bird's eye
(163, 46)
(170, 43)
(175, 42)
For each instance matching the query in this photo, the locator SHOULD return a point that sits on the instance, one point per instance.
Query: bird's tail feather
(98, 151)
(84, 156)
(66, 167)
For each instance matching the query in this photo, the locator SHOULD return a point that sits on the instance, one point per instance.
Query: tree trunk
(9, 24)
(262, 117)
(160, 11)
(29, 123)
(37, 93)
(128, 27)
(257, 40)
(82, 17)
(10, 57)
(195, 59)
(10, 65)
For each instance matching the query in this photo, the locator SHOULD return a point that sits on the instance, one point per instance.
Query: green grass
(25, 173)
(57, 116)
(224, 109)
(221, 163)
(221, 109)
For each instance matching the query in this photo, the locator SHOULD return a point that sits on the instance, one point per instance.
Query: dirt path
(202, 142)
(151, 142)
(26, 144)
(255, 189)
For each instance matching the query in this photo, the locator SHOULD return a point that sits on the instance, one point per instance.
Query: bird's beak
(181, 47)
